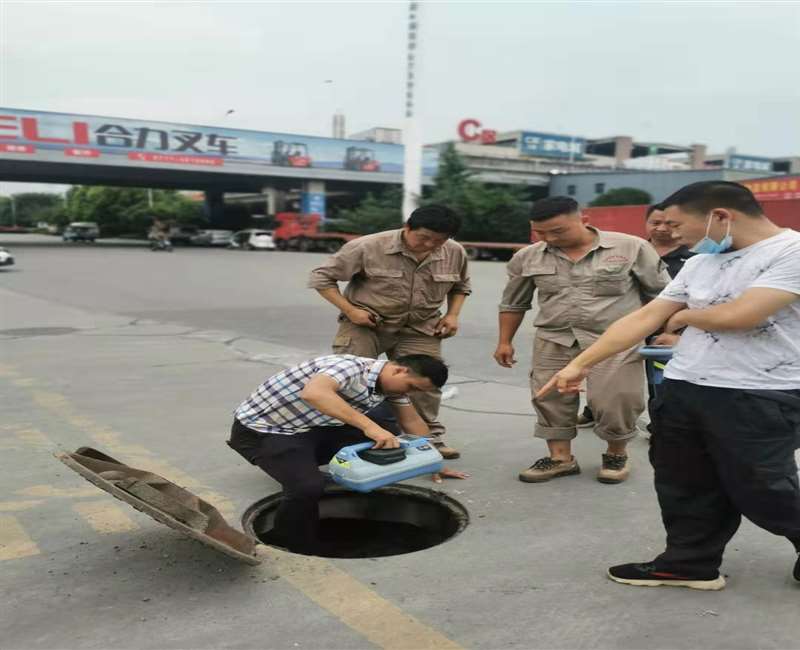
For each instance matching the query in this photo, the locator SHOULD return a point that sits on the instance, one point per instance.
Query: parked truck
(308, 232)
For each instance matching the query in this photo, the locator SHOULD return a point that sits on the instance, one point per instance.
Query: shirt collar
(601, 240)
(681, 251)
(396, 245)
(373, 373)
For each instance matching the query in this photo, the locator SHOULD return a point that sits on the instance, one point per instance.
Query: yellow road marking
(134, 455)
(8, 371)
(33, 438)
(17, 506)
(353, 603)
(14, 541)
(51, 491)
(104, 516)
(23, 382)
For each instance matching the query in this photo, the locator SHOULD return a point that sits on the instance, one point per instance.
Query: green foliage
(127, 210)
(623, 196)
(375, 213)
(489, 213)
(30, 208)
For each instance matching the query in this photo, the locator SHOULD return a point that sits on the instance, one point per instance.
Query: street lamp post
(412, 158)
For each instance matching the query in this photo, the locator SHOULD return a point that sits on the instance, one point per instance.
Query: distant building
(379, 134)
(338, 126)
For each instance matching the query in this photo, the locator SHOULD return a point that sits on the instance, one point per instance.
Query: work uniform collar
(397, 245)
(601, 240)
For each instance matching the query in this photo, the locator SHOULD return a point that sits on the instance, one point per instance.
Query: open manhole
(389, 521)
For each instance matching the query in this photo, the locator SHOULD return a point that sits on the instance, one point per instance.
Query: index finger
(548, 387)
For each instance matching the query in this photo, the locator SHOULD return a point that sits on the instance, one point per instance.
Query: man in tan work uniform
(586, 279)
(397, 282)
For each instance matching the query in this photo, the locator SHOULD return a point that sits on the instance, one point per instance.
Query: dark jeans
(718, 454)
(294, 462)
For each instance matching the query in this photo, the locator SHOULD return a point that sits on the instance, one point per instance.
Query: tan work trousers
(614, 390)
(396, 342)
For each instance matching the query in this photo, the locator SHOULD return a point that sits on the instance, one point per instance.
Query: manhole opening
(390, 521)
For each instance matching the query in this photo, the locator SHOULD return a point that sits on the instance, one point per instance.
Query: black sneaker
(647, 575)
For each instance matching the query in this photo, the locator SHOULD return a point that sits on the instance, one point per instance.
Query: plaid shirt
(276, 405)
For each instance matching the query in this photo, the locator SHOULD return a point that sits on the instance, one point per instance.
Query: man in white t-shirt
(726, 423)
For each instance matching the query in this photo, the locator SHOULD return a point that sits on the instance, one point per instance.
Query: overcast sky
(724, 74)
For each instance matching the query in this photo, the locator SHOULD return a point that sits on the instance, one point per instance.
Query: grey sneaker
(546, 468)
(615, 469)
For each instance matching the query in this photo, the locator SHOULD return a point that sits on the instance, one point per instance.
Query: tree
(489, 212)
(30, 207)
(623, 196)
(127, 210)
(374, 213)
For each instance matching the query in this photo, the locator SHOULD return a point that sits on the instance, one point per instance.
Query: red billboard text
(470, 130)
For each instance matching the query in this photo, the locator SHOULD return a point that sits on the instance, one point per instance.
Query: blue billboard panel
(550, 145)
(749, 163)
(130, 142)
(313, 203)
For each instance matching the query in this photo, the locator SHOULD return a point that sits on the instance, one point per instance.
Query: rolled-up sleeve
(340, 267)
(464, 285)
(650, 272)
(518, 292)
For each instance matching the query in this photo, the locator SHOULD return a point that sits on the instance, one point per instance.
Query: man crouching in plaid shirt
(298, 419)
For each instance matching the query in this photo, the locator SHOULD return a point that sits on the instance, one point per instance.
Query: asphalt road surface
(258, 294)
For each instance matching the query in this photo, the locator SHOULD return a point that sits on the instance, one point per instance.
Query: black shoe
(796, 572)
(647, 575)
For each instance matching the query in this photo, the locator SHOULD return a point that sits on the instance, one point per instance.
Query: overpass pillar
(214, 208)
(312, 198)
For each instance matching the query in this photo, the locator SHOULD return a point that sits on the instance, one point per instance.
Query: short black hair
(705, 196)
(425, 365)
(553, 206)
(436, 217)
(651, 209)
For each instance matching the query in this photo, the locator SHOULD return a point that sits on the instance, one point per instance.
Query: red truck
(630, 218)
(305, 232)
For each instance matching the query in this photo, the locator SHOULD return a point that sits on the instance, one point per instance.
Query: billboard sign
(550, 145)
(140, 143)
(749, 163)
(313, 203)
(470, 130)
(774, 189)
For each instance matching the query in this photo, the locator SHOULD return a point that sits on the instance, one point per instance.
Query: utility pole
(412, 158)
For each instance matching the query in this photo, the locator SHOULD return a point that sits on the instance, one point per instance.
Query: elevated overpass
(46, 147)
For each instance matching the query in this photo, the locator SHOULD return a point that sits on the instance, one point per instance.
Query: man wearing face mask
(726, 421)
(397, 282)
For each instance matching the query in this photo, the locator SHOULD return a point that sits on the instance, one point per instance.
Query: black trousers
(294, 462)
(718, 454)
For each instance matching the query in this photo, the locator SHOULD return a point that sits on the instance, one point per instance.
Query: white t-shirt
(766, 357)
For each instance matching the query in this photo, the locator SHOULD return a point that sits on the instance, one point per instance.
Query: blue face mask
(707, 246)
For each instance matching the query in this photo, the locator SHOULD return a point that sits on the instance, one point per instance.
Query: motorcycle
(161, 245)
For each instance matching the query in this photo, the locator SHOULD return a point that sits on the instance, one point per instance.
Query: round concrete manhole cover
(390, 521)
(38, 331)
